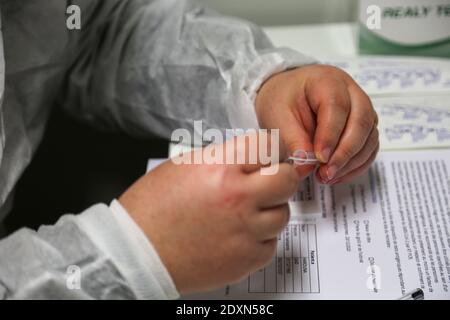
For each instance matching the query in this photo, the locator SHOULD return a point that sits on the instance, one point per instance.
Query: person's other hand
(322, 109)
(212, 224)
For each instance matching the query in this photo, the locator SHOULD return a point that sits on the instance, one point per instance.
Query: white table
(317, 40)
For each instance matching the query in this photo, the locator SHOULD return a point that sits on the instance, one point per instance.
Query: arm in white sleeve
(152, 66)
(115, 259)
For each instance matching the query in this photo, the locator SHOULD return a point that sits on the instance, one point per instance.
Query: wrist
(144, 262)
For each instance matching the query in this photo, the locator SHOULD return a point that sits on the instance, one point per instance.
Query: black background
(75, 167)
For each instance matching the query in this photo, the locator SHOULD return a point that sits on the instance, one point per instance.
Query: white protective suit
(142, 66)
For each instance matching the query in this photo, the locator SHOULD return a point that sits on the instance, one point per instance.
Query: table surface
(317, 40)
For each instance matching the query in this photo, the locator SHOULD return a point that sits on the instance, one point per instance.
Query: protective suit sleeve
(99, 254)
(152, 66)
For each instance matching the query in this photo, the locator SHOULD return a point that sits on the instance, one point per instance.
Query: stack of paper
(411, 96)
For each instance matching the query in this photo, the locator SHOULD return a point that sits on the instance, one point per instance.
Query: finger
(360, 123)
(363, 156)
(275, 189)
(357, 172)
(267, 224)
(297, 135)
(293, 137)
(255, 150)
(298, 132)
(329, 99)
(264, 253)
(357, 161)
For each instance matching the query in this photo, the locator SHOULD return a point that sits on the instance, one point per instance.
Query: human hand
(212, 224)
(321, 108)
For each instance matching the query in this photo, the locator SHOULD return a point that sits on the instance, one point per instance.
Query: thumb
(295, 137)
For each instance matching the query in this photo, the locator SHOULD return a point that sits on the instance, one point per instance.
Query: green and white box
(405, 27)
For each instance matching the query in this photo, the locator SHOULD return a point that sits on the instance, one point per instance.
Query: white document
(379, 75)
(411, 96)
(381, 236)
(413, 122)
(153, 163)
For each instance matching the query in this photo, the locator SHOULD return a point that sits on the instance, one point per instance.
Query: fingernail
(331, 172)
(324, 156)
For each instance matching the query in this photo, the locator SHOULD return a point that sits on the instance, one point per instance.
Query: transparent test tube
(303, 158)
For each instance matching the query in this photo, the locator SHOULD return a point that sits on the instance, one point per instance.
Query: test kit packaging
(405, 27)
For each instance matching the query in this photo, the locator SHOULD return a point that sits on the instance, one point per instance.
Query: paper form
(396, 75)
(379, 237)
(411, 96)
(153, 163)
(413, 122)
